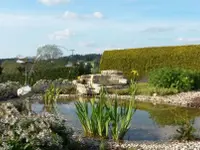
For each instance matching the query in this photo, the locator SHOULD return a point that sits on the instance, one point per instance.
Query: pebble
(159, 146)
(183, 99)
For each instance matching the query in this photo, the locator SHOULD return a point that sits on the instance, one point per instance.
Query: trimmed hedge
(146, 59)
(48, 74)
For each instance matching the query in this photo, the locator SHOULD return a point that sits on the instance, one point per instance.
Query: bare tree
(49, 52)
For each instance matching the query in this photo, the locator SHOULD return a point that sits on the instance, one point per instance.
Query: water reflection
(149, 122)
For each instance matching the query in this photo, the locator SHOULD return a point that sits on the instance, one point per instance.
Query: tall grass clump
(50, 99)
(101, 118)
(186, 130)
(96, 121)
(120, 119)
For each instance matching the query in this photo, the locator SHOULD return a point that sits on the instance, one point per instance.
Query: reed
(101, 117)
(50, 99)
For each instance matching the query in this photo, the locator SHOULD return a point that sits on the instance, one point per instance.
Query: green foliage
(186, 130)
(95, 123)
(120, 119)
(46, 69)
(145, 89)
(104, 115)
(10, 67)
(50, 98)
(180, 79)
(1, 69)
(48, 73)
(146, 59)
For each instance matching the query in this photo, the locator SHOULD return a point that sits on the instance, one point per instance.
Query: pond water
(152, 123)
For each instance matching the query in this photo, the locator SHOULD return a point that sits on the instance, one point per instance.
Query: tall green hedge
(146, 59)
(48, 73)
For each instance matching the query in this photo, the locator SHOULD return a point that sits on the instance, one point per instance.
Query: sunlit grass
(145, 89)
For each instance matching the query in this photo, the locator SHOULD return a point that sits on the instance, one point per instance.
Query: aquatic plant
(105, 117)
(96, 122)
(186, 130)
(50, 99)
(120, 119)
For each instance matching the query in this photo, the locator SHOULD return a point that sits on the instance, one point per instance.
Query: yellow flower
(135, 73)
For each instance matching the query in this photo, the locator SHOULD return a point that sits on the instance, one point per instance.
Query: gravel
(158, 146)
(184, 99)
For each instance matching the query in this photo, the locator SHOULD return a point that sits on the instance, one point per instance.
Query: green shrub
(146, 59)
(180, 79)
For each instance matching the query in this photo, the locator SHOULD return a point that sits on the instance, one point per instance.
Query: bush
(12, 77)
(147, 59)
(182, 80)
(8, 90)
(35, 131)
(48, 74)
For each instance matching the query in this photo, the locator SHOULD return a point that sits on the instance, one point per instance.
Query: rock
(96, 88)
(123, 81)
(110, 79)
(24, 90)
(111, 72)
(41, 85)
(81, 89)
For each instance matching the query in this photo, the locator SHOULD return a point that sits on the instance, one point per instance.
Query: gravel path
(184, 99)
(159, 146)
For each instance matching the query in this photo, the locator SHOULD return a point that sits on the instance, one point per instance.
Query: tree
(88, 68)
(49, 52)
(81, 68)
(10, 67)
(1, 69)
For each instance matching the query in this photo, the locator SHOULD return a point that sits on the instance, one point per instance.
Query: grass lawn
(145, 89)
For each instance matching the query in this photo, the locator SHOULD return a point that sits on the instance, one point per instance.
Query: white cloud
(90, 44)
(53, 2)
(72, 15)
(98, 15)
(188, 39)
(62, 34)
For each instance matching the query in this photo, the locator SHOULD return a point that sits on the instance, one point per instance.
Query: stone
(111, 72)
(123, 81)
(96, 88)
(91, 83)
(81, 89)
(24, 90)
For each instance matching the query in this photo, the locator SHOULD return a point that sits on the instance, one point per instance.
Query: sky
(92, 26)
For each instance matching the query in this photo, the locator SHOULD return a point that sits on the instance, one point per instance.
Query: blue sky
(91, 26)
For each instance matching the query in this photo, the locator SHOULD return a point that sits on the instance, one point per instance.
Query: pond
(149, 123)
